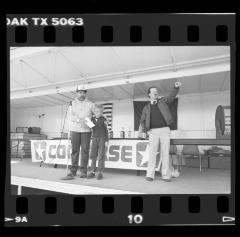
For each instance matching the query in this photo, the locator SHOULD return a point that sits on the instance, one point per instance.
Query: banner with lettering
(121, 154)
(51, 151)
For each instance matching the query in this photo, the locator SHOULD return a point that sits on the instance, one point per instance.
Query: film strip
(81, 30)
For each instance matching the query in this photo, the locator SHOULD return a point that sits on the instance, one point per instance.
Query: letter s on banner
(113, 153)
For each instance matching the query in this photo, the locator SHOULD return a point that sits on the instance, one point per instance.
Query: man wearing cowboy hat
(82, 108)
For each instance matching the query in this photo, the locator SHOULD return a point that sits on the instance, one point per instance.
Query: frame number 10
(135, 219)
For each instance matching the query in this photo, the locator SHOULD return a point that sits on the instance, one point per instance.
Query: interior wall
(50, 123)
(196, 116)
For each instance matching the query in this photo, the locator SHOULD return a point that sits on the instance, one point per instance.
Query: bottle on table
(144, 135)
(122, 133)
(129, 133)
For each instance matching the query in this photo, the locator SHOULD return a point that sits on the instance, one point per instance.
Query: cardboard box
(22, 129)
(34, 130)
(194, 161)
(220, 162)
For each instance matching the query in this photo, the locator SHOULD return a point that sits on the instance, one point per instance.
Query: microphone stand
(69, 133)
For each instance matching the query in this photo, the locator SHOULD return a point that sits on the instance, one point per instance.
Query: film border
(146, 27)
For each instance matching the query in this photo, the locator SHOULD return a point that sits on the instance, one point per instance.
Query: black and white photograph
(90, 120)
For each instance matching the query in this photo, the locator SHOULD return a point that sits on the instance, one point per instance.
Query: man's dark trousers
(80, 139)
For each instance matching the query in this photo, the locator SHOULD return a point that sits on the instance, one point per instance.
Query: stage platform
(25, 173)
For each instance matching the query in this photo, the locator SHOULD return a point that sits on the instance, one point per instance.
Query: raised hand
(178, 84)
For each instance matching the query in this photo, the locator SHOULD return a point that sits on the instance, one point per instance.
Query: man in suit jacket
(155, 120)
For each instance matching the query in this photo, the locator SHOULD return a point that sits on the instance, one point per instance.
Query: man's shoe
(70, 176)
(175, 174)
(149, 179)
(82, 175)
(91, 175)
(99, 176)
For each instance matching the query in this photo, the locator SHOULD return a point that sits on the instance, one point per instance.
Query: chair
(16, 146)
(173, 151)
(192, 151)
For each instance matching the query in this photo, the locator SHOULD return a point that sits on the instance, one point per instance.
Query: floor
(191, 180)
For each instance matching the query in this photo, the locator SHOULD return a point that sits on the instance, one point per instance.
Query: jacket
(162, 103)
(81, 110)
(100, 129)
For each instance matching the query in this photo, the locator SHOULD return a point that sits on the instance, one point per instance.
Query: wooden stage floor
(191, 181)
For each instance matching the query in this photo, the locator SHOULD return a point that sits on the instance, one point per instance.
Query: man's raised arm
(169, 98)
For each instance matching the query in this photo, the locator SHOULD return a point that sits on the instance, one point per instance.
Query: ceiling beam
(24, 102)
(42, 101)
(26, 52)
(123, 89)
(72, 64)
(223, 82)
(110, 93)
(143, 90)
(200, 84)
(35, 101)
(23, 75)
(54, 54)
(46, 98)
(223, 62)
(37, 71)
(68, 98)
(173, 58)
(20, 84)
(121, 65)
(56, 99)
(199, 69)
